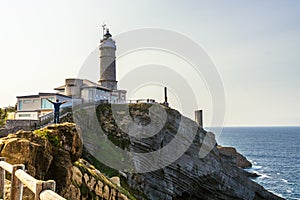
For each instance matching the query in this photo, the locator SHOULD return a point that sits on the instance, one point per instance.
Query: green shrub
(53, 139)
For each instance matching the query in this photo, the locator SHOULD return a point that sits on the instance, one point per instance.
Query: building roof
(43, 94)
(86, 84)
(60, 87)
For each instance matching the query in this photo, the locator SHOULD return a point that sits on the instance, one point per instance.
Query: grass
(45, 133)
(110, 172)
(103, 179)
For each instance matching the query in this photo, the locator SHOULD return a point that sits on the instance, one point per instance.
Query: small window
(24, 115)
(27, 101)
(20, 105)
(36, 101)
(46, 104)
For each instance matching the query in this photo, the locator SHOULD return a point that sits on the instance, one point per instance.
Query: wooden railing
(42, 190)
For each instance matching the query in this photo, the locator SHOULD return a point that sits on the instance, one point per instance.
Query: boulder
(28, 149)
(54, 153)
(115, 180)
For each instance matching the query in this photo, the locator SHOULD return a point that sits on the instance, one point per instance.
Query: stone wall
(15, 125)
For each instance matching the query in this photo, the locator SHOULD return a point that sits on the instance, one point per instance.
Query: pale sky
(255, 46)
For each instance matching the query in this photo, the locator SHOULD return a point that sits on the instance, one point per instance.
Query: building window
(20, 105)
(27, 101)
(24, 115)
(46, 104)
(36, 101)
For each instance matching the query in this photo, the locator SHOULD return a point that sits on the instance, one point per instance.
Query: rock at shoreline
(231, 155)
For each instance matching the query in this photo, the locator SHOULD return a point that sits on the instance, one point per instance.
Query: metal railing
(141, 101)
(46, 119)
(42, 190)
(49, 117)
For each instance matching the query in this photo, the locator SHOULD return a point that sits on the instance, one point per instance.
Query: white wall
(29, 104)
(93, 94)
(27, 115)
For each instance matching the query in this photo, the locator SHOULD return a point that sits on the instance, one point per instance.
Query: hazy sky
(255, 46)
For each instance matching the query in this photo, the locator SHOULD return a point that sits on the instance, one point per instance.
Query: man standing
(56, 105)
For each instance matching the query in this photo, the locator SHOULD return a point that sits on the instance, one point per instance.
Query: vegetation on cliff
(3, 114)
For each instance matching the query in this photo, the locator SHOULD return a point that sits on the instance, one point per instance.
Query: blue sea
(274, 153)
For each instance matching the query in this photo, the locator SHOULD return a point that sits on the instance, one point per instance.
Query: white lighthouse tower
(108, 62)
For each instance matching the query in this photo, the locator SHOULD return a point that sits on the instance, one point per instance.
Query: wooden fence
(42, 190)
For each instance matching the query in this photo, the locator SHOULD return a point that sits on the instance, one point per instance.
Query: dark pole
(166, 97)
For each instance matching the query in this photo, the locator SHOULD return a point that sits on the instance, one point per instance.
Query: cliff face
(56, 152)
(218, 175)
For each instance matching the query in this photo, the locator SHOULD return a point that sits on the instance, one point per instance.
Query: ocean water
(274, 153)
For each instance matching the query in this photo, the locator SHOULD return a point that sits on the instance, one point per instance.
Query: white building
(87, 91)
(32, 107)
(79, 90)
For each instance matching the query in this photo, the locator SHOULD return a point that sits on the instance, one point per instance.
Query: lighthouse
(108, 62)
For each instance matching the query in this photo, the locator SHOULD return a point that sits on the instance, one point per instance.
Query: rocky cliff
(217, 175)
(56, 152)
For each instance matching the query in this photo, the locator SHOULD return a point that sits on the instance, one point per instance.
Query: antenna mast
(103, 29)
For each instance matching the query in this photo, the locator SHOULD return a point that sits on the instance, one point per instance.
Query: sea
(274, 153)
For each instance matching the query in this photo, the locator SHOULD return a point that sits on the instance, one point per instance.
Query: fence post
(2, 180)
(49, 185)
(38, 189)
(43, 185)
(16, 190)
